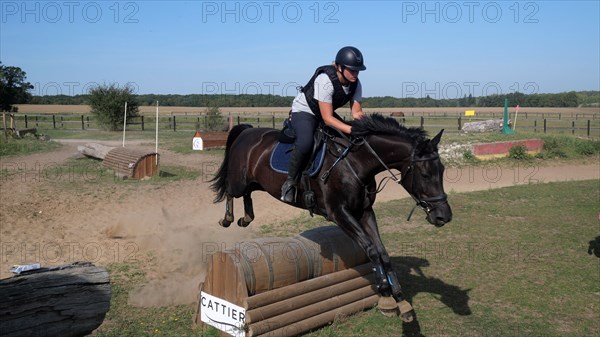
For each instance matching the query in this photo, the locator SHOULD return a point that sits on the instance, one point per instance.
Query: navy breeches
(304, 124)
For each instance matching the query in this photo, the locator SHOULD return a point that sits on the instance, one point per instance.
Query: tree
(214, 118)
(13, 88)
(107, 103)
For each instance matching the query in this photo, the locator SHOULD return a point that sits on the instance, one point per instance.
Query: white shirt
(324, 93)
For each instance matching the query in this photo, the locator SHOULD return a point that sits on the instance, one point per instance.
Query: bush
(518, 152)
(587, 147)
(469, 156)
(553, 148)
(214, 119)
(107, 103)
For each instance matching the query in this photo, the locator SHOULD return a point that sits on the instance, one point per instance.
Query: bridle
(424, 203)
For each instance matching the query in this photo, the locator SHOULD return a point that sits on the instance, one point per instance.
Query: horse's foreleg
(228, 218)
(363, 236)
(385, 274)
(248, 212)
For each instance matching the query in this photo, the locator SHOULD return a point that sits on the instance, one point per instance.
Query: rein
(424, 203)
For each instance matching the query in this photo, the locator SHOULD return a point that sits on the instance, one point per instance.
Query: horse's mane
(377, 124)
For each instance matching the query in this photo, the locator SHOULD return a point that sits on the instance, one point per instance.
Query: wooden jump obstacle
(125, 162)
(286, 286)
(131, 164)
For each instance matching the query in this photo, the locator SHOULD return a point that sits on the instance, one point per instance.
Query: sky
(441, 49)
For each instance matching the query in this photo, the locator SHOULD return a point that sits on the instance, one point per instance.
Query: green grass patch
(124, 320)
(513, 262)
(29, 144)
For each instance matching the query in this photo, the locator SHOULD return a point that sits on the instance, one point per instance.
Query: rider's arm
(327, 114)
(356, 109)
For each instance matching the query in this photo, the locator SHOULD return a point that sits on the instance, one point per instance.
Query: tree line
(14, 89)
(559, 100)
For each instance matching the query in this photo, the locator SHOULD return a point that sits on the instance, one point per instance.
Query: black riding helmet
(350, 58)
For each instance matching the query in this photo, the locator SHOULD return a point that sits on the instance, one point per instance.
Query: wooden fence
(575, 123)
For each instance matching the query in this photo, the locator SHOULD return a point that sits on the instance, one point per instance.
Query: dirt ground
(167, 229)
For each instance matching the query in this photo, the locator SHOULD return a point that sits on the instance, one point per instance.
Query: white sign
(197, 144)
(223, 315)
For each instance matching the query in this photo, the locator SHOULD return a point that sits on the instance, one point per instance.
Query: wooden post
(26, 126)
(53, 121)
(422, 122)
(545, 125)
(588, 128)
(82, 123)
(6, 131)
(459, 123)
(174, 124)
(142, 122)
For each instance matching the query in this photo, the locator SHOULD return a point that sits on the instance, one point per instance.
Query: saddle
(282, 153)
(280, 157)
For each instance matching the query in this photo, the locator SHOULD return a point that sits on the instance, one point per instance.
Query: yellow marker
(469, 112)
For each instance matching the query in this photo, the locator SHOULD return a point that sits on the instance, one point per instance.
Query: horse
(343, 194)
(400, 114)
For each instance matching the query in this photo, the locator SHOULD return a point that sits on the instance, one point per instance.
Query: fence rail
(538, 122)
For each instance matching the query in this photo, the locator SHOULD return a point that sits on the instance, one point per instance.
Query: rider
(331, 87)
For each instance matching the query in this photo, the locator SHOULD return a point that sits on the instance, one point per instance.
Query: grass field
(513, 262)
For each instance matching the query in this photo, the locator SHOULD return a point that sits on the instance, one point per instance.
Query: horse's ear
(436, 140)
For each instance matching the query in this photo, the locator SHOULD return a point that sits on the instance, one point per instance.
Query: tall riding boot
(289, 188)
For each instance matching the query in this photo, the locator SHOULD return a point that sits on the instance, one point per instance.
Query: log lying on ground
(483, 126)
(125, 162)
(69, 300)
(94, 150)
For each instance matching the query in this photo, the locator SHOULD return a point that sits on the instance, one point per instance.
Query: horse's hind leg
(228, 218)
(248, 212)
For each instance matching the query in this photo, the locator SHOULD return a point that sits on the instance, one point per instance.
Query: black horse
(345, 194)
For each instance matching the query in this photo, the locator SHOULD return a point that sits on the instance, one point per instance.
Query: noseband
(424, 203)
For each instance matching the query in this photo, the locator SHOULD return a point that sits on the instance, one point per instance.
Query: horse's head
(424, 180)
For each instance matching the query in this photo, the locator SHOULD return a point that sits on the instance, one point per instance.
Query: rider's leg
(304, 124)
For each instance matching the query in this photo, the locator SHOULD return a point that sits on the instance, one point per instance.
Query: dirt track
(168, 229)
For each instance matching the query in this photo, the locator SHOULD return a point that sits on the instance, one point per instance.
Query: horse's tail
(219, 182)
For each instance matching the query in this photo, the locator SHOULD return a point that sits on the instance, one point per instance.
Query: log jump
(286, 286)
(69, 300)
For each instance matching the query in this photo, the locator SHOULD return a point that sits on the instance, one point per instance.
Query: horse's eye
(425, 176)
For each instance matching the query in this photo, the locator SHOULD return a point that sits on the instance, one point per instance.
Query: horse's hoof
(387, 306)
(407, 317)
(224, 223)
(242, 223)
(406, 311)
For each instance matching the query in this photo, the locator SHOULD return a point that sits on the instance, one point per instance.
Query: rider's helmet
(350, 58)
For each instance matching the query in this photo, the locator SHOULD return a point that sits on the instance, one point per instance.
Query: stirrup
(288, 191)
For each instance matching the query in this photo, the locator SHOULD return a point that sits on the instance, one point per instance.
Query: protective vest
(339, 99)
